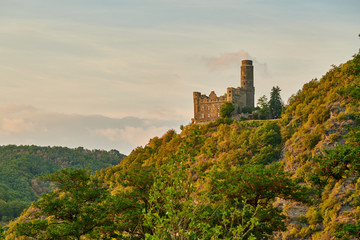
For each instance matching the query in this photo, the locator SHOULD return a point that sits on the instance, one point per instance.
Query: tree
(179, 211)
(247, 109)
(226, 110)
(2, 233)
(275, 104)
(77, 208)
(258, 186)
(264, 107)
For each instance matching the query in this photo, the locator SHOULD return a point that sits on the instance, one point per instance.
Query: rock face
(207, 108)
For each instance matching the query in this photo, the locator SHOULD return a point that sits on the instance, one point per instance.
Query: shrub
(333, 137)
(226, 110)
(311, 140)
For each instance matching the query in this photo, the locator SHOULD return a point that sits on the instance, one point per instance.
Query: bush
(311, 140)
(247, 109)
(333, 137)
(226, 110)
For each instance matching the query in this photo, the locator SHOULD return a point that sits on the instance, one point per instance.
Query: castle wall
(237, 96)
(207, 108)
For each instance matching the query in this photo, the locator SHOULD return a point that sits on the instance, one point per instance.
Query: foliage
(226, 110)
(349, 230)
(340, 162)
(264, 107)
(315, 121)
(20, 167)
(2, 233)
(258, 186)
(78, 208)
(275, 103)
(247, 109)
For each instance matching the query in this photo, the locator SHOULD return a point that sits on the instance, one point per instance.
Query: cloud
(137, 136)
(26, 125)
(15, 125)
(226, 60)
(229, 60)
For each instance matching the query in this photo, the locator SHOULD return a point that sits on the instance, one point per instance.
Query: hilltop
(292, 178)
(21, 167)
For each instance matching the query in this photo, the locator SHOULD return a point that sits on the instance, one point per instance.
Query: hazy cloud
(226, 60)
(229, 60)
(15, 125)
(137, 136)
(24, 125)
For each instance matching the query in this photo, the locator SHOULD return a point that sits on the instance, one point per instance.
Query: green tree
(179, 211)
(275, 103)
(131, 204)
(258, 186)
(337, 163)
(226, 110)
(2, 233)
(264, 107)
(77, 208)
(247, 109)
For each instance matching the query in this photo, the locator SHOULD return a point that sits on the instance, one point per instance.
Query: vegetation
(20, 167)
(291, 178)
(275, 103)
(269, 109)
(226, 110)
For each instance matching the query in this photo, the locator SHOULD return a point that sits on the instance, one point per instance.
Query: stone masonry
(207, 108)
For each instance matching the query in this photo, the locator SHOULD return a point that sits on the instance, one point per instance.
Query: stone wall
(207, 108)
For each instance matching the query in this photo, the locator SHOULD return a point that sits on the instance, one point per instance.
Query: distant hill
(292, 178)
(20, 167)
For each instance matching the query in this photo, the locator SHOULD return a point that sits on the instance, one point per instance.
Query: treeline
(265, 109)
(20, 167)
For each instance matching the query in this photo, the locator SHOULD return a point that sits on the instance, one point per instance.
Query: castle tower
(196, 97)
(247, 81)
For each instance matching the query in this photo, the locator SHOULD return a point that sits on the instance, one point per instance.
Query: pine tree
(275, 104)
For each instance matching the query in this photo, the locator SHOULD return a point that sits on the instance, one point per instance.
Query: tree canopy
(275, 103)
(226, 110)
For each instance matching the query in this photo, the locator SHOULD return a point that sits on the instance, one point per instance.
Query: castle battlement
(207, 108)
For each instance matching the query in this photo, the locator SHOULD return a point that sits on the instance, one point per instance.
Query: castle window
(208, 115)
(218, 114)
(202, 115)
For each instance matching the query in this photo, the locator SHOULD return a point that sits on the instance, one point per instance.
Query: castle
(207, 108)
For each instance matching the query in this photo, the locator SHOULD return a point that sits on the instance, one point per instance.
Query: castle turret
(247, 81)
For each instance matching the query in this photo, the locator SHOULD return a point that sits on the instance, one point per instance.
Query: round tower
(247, 81)
(196, 97)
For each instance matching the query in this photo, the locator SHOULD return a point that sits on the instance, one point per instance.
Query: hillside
(292, 178)
(20, 167)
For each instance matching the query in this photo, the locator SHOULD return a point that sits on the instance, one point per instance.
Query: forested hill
(20, 167)
(292, 178)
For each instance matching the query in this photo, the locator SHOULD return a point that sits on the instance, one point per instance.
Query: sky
(112, 74)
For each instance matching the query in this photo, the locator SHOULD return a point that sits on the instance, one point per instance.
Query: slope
(20, 167)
